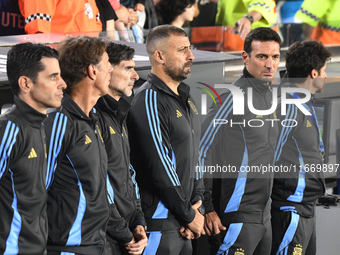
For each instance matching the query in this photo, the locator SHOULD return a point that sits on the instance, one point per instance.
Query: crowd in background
(217, 25)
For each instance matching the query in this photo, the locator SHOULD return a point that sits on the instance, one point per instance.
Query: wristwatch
(251, 18)
(201, 209)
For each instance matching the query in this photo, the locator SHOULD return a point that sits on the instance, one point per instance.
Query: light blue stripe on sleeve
(8, 140)
(211, 131)
(57, 136)
(236, 197)
(291, 116)
(300, 188)
(110, 192)
(153, 119)
(74, 238)
(133, 177)
(12, 242)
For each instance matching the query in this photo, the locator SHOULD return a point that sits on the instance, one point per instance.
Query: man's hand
(212, 224)
(243, 26)
(139, 241)
(133, 18)
(139, 7)
(186, 233)
(196, 226)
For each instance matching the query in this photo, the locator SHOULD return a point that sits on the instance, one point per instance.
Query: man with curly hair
(299, 146)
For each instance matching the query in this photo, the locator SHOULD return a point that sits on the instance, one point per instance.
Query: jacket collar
(71, 106)
(257, 84)
(183, 89)
(32, 116)
(112, 106)
(292, 85)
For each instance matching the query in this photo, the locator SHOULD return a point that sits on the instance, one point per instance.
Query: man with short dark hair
(299, 147)
(164, 132)
(242, 197)
(78, 208)
(130, 236)
(34, 76)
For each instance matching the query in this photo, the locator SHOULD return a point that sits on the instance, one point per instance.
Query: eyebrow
(183, 47)
(52, 74)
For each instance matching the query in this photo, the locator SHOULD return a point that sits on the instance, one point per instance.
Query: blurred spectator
(208, 11)
(176, 12)
(244, 16)
(12, 22)
(107, 17)
(64, 16)
(321, 20)
(128, 18)
(290, 27)
(151, 20)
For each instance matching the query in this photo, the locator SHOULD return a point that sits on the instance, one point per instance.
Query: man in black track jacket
(300, 149)
(243, 143)
(164, 133)
(78, 207)
(34, 76)
(130, 236)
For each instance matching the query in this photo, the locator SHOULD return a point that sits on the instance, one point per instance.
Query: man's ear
(159, 56)
(245, 57)
(314, 73)
(25, 84)
(91, 72)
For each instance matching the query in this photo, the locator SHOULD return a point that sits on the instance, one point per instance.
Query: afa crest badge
(239, 251)
(297, 250)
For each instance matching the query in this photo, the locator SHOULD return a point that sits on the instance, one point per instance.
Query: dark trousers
(167, 243)
(243, 238)
(293, 234)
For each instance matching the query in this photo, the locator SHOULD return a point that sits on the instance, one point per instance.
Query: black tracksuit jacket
(240, 197)
(164, 133)
(120, 172)
(78, 208)
(23, 196)
(298, 146)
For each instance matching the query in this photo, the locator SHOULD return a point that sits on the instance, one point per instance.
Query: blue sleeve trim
(12, 242)
(290, 117)
(74, 238)
(110, 193)
(211, 131)
(8, 140)
(133, 177)
(154, 124)
(57, 136)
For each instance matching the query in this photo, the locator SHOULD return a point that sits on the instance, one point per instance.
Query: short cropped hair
(171, 9)
(262, 34)
(75, 56)
(24, 59)
(303, 57)
(119, 52)
(161, 33)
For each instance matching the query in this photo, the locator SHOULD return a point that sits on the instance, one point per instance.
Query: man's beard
(121, 93)
(178, 74)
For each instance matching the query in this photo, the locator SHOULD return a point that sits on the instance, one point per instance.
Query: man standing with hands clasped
(126, 230)
(241, 198)
(164, 132)
(299, 147)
